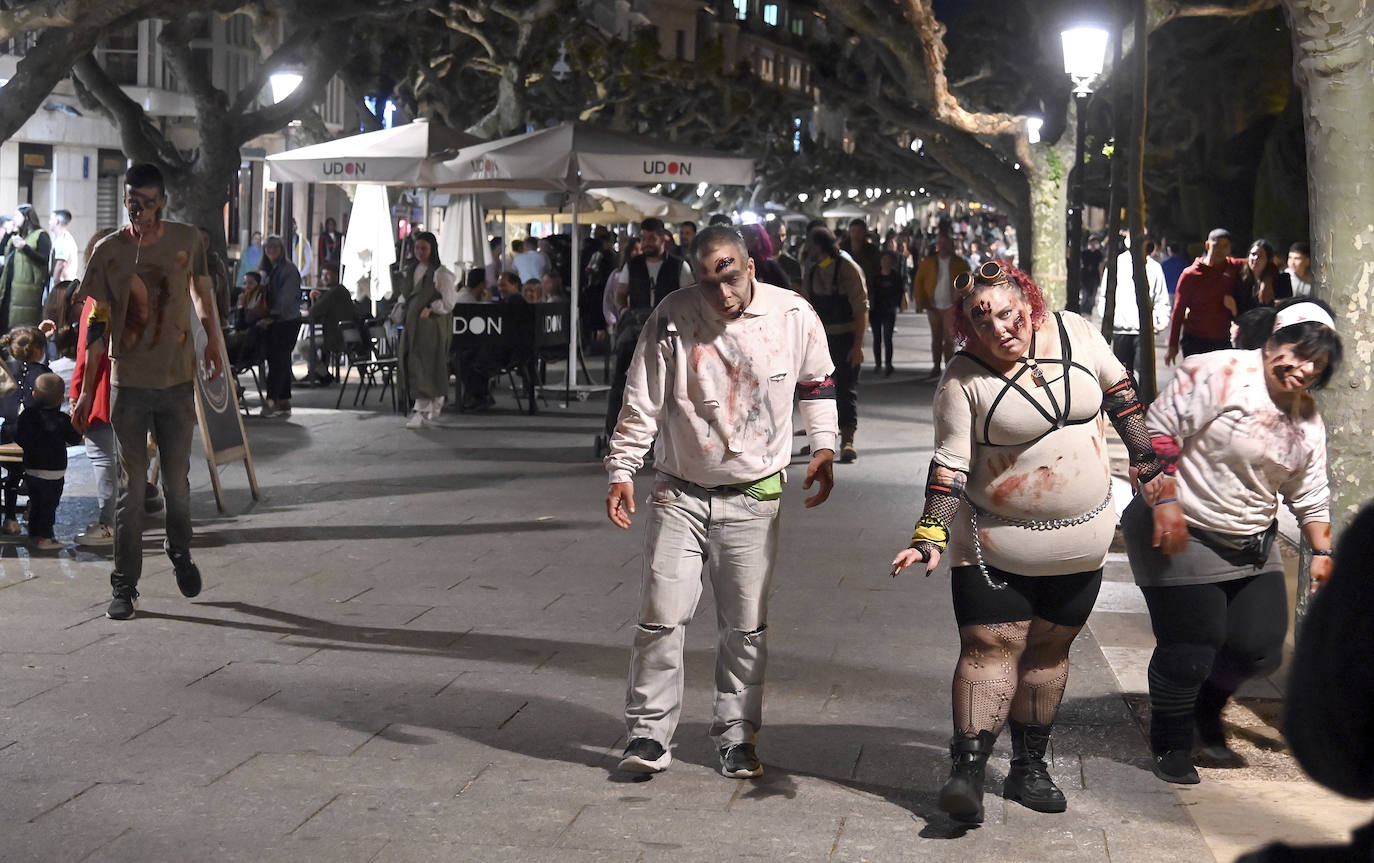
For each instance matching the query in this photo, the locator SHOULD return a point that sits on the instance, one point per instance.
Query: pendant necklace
(1037, 376)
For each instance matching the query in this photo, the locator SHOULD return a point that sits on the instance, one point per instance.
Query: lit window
(798, 27)
(741, 9)
(770, 14)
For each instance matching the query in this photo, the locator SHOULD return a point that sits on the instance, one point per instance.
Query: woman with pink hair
(1019, 498)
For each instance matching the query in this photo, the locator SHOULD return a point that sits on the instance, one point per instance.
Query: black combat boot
(962, 794)
(1028, 782)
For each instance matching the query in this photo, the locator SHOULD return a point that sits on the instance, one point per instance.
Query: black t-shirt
(885, 292)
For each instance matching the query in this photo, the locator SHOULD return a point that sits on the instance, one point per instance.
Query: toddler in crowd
(45, 432)
(28, 349)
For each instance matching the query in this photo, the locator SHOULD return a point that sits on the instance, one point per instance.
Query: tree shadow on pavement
(214, 537)
(902, 766)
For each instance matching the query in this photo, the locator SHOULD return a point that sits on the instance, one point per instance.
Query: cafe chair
(358, 355)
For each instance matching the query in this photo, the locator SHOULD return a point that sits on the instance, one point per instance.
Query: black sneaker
(645, 755)
(187, 573)
(738, 760)
(122, 604)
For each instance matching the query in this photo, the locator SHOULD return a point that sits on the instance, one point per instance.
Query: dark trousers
(281, 341)
(170, 414)
(1209, 639)
(1126, 346)
(1198, 345)
(615, 397)
(846, 379)
(883, 322)
(44, 496)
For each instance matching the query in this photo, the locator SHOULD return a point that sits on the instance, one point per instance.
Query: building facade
(65, 157)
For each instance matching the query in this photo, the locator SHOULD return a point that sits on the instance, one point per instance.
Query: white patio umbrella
(463, 236)
(647, 203)
(401, 156)
(575, 157)
(369, 247)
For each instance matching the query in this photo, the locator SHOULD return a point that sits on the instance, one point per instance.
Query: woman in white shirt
(429, 299)
(1236, 430)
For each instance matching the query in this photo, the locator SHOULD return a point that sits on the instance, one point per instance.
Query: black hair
(477, 277)
(1301, 248)
(142, 175)
(714, 236)
(814, 224)
(824, 240)
(652, 223)
(255, 274)
(1255, 329)
(681, 225)
(433, 242)
(860, 222)
(63, 216)
(719, 219)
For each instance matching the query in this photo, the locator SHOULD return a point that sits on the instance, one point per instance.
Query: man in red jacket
(1204, 302)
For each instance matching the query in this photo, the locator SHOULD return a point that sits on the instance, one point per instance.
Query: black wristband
(1322, 552)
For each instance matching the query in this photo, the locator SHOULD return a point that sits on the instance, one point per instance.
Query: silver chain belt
(1029, 524)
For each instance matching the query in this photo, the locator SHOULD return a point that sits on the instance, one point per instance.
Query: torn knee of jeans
(653, 627)
(753, 633)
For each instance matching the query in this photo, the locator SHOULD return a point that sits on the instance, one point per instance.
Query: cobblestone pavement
(414, 649)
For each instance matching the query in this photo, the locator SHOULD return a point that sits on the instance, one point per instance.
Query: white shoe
(46, 543)
(96, 536)
(416, 421)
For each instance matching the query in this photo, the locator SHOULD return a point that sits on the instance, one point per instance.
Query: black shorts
(1066, 600)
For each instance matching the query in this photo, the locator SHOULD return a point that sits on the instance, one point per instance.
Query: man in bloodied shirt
(714, 375)
(144, 280)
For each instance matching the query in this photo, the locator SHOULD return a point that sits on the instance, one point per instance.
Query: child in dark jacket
(45, 432)
(27, 348)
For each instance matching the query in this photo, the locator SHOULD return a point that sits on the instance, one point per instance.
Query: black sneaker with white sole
(645, 755)
(122, 603)
(187, 573)
(740, 761)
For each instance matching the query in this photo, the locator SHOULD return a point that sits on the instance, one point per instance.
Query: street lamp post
(1084, 51)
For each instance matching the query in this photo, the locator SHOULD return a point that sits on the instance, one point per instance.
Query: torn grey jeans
(695, 533)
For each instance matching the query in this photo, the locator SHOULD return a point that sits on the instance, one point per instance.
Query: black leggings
(1209, 639)
(882, 322)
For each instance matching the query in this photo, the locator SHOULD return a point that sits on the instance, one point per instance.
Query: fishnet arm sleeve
(1127, 414)
(944, 487)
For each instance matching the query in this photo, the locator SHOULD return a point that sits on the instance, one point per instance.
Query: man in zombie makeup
(713, 377)
(144, 280)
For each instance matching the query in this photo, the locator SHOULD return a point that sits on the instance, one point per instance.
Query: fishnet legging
(1016, 669)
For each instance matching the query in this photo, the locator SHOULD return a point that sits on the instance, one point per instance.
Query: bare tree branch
(945, 106)
(46, 63)
(139, 137)
(1163, 11)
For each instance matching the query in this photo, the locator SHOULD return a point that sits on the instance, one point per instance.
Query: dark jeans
(170, 414)
(281, 341)
(882, 322)
(1198, 345)
(44, 496)
(846, 379)
(1126, 346)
